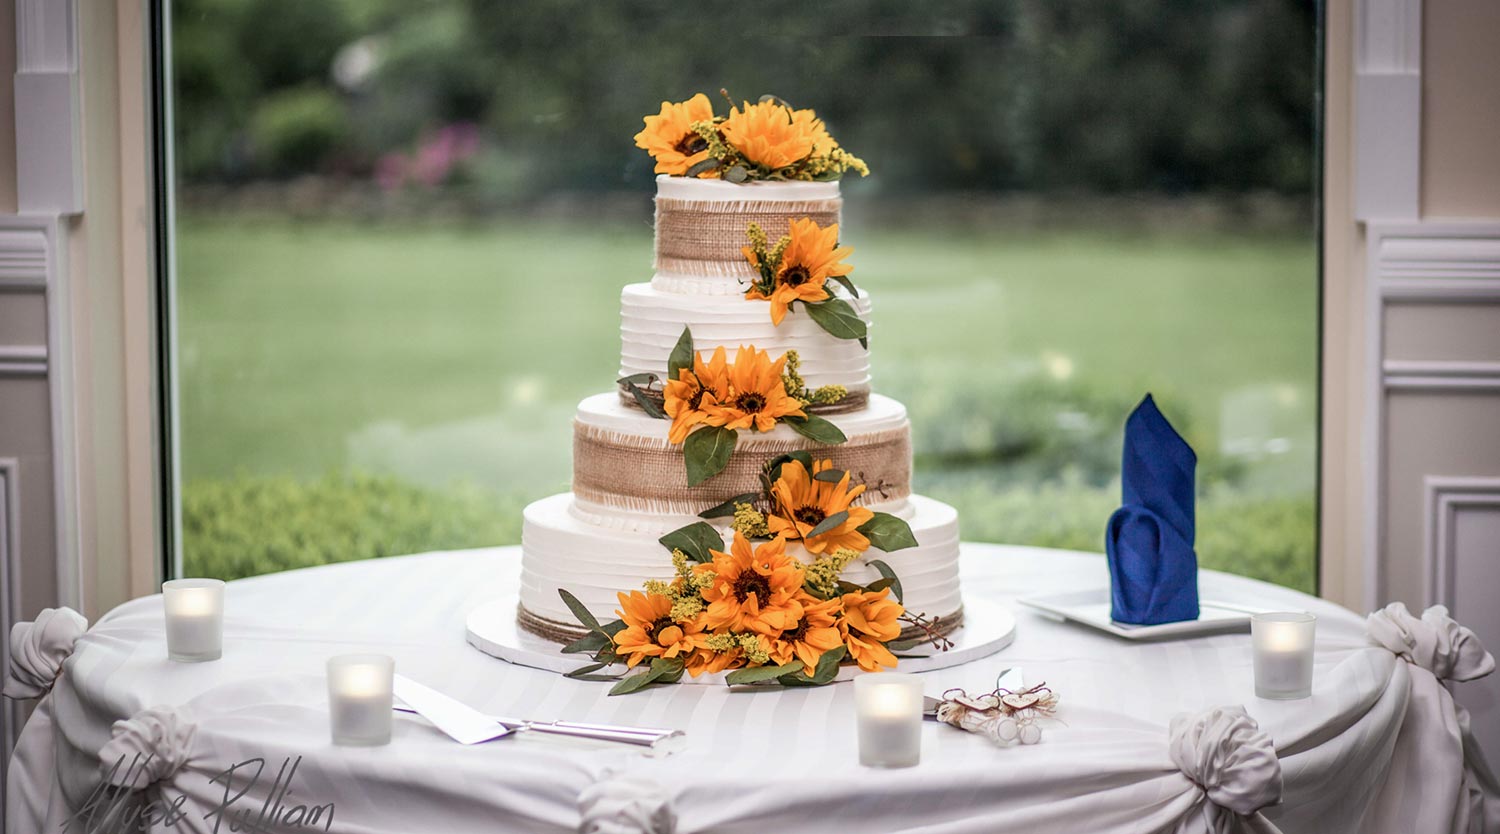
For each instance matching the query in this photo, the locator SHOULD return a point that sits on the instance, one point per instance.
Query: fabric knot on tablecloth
(1435, 642)
(38, 649)
(147, 748)
(626, 805)
(1224, 752)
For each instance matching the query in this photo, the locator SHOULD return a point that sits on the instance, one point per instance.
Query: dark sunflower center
(660, 624)
(750, 402)
(749, 583)
(796, 634)
(697, 399)
(810, 515)
(796, 276)
(690, 143)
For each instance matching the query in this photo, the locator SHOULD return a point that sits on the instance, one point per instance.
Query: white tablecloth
(1377, 747)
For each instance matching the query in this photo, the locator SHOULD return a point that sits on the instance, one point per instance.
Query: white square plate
(1091, 608)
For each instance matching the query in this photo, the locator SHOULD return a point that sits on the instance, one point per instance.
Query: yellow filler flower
(811, 257)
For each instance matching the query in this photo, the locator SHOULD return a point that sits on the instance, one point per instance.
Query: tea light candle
(359, 699)
(195, 619)
(888, 706)
(1283, 647)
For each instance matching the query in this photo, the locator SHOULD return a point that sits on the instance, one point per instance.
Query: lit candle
(888, 706)
(359, 699)
(1283, 654)
(195, 619)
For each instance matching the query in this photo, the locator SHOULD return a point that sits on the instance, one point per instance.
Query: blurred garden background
(402, 228)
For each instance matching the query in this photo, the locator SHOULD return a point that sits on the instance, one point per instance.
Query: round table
(768, 760)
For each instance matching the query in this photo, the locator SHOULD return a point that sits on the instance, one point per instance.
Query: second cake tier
(623, 462)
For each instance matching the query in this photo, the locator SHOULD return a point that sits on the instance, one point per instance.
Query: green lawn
(436, 369)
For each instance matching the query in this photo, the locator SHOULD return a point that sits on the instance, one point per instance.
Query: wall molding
(1444, 498)
(10, 594)
(1387, 109)
(1412, 263)
(35, 249)
(48, 108)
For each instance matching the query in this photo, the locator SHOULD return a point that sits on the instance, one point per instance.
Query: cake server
(461, 722)
(658, 741)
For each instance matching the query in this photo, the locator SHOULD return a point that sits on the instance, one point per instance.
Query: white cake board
(987, 628)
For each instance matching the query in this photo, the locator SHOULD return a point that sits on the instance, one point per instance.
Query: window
(402, 229)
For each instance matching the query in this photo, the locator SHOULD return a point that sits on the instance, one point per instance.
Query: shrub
(297, 129)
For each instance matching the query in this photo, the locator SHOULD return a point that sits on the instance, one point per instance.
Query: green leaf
(703, 167)
(773, 466)
(813, 428)
(727, 508)
(827, 669)
(585, 673)
(838, 318)
(681, 355)
(888, 533)
(848, 285)
(695, 540)
(736, 174)
(647, 404)
(864, 343)
(832, 476)
(707, 452)
(881, 584)
(578, 609)
(887, 573)
(592, 642)
(637, 379)
(904, 645)
(777, 99)
(828, 523)
(636, 682)
(761, 674)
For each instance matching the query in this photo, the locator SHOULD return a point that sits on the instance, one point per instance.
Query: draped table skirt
(1377, 747)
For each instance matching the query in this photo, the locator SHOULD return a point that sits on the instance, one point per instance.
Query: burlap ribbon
(703, 237)
(647, 474)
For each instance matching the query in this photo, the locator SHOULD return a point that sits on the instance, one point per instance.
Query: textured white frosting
(606, 411)
(561, 550)
(651, 322)
(720, 191)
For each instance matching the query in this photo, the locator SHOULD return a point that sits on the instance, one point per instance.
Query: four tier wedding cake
(744, 400)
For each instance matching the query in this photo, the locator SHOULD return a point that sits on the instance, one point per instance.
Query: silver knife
(460, 721)
(658, 742)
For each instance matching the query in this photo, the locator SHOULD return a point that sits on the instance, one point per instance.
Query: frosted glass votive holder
(888, 708)
(359, 699)
(195, 619)
(1283, 647)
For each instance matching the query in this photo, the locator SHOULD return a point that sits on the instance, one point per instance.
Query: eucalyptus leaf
(681, 356)
(578, 609)
(864, 342)
(889, 533)
(838, 318)
(814, 428)
(802, 456)
(702, 168)
(706, 452)
(727, 508)
(636, 682)
(887, 573)
(848, 284)
(831, 476)
(736, 174)
(591, 642)
(584, 670)
(826, 670)
(593, 677)
(829, 523)
(777, 99)
(881, 584)
(904, 645)
(761, 674)
(696, 540)
(637, 379)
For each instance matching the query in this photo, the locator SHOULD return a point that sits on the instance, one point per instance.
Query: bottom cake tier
(594, 556)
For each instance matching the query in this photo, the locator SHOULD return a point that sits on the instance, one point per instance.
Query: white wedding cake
(630, 486)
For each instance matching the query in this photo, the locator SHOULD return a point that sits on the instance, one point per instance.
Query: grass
(444, 356)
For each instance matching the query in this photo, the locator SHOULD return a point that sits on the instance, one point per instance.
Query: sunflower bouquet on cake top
(768, 140)
(755, 610)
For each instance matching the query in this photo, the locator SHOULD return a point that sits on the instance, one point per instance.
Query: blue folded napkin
(1152, 567)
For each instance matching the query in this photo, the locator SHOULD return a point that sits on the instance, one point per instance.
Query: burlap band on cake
(853, 401)
(647, 474)
(564, 633)
(704, 237)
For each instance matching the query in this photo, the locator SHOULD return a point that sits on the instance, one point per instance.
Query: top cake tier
(701, 224)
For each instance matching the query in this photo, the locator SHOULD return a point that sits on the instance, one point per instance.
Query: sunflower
(709, 661)
(753, 591)
(823, 142)
(870, 621)
(649, 629)
(757, 397)
(801, 503)
(689, 398)
(811, 257)
(816, 633)
(669, 136)
(768, 135)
